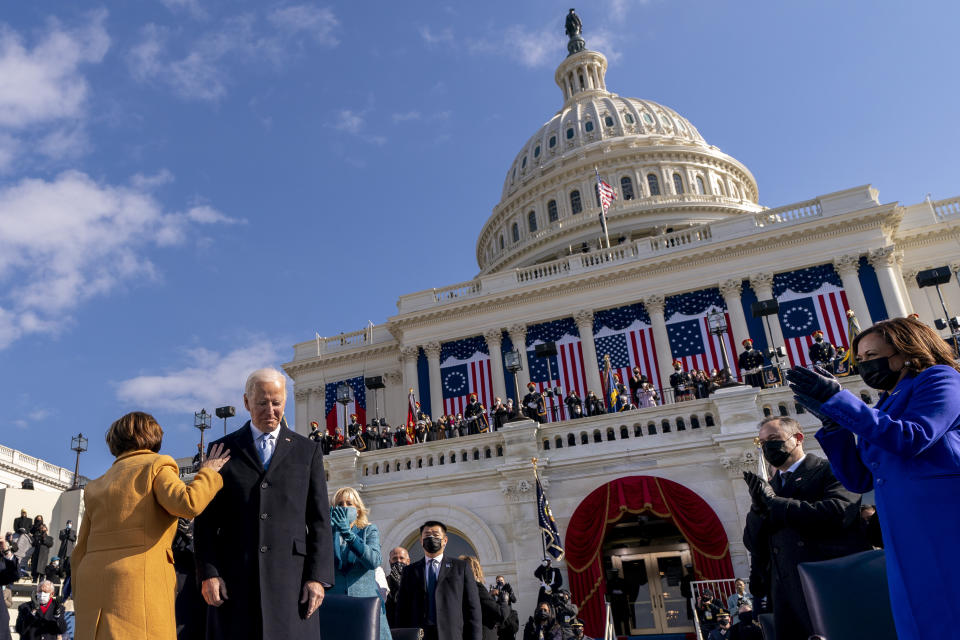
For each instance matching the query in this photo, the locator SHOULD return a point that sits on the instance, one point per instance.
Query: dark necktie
(785, 477)
(432, 591)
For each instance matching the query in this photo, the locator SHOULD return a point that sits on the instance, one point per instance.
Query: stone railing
(456, 291)
(684, 238)
(947, 208)
(369, 335)
(791, 213)
(37, 469)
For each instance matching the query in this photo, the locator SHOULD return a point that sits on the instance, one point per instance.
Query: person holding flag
(549, 577)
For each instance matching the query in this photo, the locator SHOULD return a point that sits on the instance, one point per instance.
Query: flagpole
(603, 213)
(536, 477)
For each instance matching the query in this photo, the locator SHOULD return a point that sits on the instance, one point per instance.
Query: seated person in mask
(543, 625)
(43, 617)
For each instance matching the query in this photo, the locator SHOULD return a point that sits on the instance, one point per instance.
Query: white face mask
(44, 597)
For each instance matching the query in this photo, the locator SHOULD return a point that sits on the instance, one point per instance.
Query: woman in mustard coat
(122, 566)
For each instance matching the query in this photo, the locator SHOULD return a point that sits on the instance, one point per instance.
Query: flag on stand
(689, 331)
(334, 410)
(811, 299)
(610, 392)
(548, 526)
(411, 407)
(626, 336)
(564, 369)
(606, 195)
(465, 369)
(853, 328)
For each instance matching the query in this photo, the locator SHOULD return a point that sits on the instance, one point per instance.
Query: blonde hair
(362, 511)
(475, 566)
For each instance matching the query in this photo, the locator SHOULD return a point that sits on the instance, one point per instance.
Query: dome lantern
(583, 72)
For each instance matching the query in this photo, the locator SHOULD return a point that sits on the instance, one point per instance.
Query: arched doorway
(606, 533)
(457, 544)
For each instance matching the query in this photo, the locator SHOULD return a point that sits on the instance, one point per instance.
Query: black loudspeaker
(546, 349)
(375, 382)
(933, 277)
(226, 412)
(762, 308)
(27, 483)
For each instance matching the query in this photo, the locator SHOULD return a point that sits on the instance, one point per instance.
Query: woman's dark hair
(918, 343)
(136, 430)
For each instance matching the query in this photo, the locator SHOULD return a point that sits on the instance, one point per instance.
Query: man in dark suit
(23, 522)
(550, 581)
(802, 515)
(263, 546)
(399, 560)
(439, 594)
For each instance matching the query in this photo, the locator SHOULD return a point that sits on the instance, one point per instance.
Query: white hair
(267, 374)
(45, 585)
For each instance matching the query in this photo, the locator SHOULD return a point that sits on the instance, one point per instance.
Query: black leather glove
(816, 382)
(760, 490)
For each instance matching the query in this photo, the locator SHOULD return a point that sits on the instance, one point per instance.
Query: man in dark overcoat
(750, 362)
(263, 546)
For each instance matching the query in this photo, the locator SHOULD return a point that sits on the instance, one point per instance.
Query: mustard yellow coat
(123, 579)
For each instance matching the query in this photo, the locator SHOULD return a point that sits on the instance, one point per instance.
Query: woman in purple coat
(907, 449)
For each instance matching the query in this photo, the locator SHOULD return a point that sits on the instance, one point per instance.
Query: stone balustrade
(19, 463)
(947, 208)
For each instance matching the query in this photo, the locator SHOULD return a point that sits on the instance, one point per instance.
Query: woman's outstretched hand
(217, 458)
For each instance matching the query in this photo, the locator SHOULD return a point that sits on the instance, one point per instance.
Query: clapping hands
(340, 519)
(760, 490)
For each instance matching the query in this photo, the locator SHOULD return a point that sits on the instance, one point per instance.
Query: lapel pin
(287, 439)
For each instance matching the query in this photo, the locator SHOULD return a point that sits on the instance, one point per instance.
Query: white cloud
(349, 121)
(191, 7)
(201, 70)
(149, 182)
(444, 36)
(70, 239)
(64, 143)
(404, 117)
(42, 84)
(207, 379)
(317, 22)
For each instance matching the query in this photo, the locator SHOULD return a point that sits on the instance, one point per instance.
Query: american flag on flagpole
(626, 335)
(566, 366)
(811, 299)
(465, 369)
(606, 195)
(334, 410)
(689, 331)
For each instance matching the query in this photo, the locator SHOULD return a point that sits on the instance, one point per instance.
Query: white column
(316, 395)
(518, 335)
(436, 385)
(884, 261)
(394, 398)
(762, 284)
(654, 305)
(408, 356)
(591, 366)
(301, 424)
(848, 266)
(494, 340)
(730, 290)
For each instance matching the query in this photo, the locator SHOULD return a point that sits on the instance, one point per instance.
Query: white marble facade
(709, 233)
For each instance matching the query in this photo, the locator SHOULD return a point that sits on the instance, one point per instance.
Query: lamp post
(202, 421)
(344, 397)
(511, 360)
(79, 444)
(717, 321)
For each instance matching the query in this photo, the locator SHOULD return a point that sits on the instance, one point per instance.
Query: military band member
(400, 436)
(680, 382)
(574, 405)
(315, 434)
(750, 362)
(534, 406)
(499, 412)
(476, 416)
(354, 428)
(821, 352)
(372, 436)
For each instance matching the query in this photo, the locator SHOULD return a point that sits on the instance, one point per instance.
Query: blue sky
(188, 187)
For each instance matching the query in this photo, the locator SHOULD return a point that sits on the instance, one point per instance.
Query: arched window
(546, 444)
(523, 164)
(583, 438)
(626, 187)
(558, 443)
(583, 85)
(624, 433)
(570, 133)
(700, 188)
(681, 426)
(552, 213)
(588, 127)
(532, 221)
(720, 188)
(678, 183)
(708, 419)
(694, 422)
(501, 242)
(597, 436)
(575, 205)
(611, 435)
(637, 431)
(653, 184)
(651, 428)
(571, 440)
(628, 118)
(515, 232)
(536, 152)
(664, 426)
(553, 141)
(608, 120)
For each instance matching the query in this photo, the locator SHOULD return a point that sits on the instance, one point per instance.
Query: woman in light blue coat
(356, 551)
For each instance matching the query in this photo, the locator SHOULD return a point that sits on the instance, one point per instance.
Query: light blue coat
(908, 450)
(355, 568)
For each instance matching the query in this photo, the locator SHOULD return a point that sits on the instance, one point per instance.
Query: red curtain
(606, 505)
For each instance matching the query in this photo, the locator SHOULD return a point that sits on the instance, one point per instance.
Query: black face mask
(432, 544)
(775, 453)
(877, 374)
(746, 617)
(541, 615)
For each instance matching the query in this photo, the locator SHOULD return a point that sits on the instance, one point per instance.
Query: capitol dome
(667, 177)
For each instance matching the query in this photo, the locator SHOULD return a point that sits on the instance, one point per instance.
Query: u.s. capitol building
(638, 492)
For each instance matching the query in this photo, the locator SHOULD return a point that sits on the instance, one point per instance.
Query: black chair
(348, 617)
(848, 598)
(407, 634)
